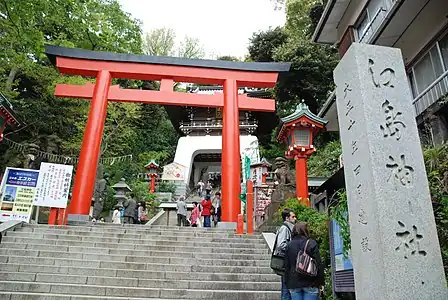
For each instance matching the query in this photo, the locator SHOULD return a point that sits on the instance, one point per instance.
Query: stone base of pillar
(78, 218)
(226, 225)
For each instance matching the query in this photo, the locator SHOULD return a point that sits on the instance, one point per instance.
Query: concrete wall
(189, 146)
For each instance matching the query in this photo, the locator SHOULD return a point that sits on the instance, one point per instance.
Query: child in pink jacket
(195, 215)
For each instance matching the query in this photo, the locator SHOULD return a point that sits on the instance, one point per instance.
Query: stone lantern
(297, 132)
(121, 188)
(152, 168)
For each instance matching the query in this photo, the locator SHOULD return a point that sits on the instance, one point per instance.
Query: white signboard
(53, 185)
(173, 171)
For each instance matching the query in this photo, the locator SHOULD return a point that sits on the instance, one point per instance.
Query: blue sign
(341, 263)
(22, 178)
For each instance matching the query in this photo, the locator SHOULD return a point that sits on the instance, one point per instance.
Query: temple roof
(153, 164)
(6, 108)
(302, 110)
(57, 51)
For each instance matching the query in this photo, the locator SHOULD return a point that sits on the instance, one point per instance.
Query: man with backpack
(282, 238)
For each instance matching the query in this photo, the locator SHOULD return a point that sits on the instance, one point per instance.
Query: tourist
(208, 188)
(181, 211)
(282, 238)
(206, 210)
(195, 217)
(142, 214)
(130, 206)
(302, 286)
(200, 186)
(116, 215)
(217, 208)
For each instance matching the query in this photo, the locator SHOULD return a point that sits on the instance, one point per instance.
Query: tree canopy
(28, 79)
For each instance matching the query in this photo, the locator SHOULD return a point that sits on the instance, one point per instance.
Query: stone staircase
(134, 262)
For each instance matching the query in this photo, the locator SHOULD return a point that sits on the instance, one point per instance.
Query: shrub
(317, 222)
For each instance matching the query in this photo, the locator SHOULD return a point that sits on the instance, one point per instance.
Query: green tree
(162, 42)
(263, 44)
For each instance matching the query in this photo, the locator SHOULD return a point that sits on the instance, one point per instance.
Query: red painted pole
(90, 150)
(231, 206)
(61, 216)
(53, 216)
(302, 180)
(240, 224)
(153, 184)
(250, 206)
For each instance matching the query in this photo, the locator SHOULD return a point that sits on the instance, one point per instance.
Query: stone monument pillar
(396, 253)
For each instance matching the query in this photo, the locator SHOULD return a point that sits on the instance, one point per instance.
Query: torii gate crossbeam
(106, 66)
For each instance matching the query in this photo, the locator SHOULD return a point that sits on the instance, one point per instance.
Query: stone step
(74, 289)
(140, 252)
(144, 274)
(188, 247)
(204, 234)
(127, 240)
(132, 265)
(173, 238)
(140, 282)
(154, 228)
(47, 296)
(127, 258)
(144, 230)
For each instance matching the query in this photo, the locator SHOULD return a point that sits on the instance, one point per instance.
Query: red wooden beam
(131, 70)
(164, 97)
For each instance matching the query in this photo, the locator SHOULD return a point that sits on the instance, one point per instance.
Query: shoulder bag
(278, 260)
(305, 264)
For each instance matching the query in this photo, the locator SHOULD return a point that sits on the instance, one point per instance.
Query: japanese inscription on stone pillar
(395, 249)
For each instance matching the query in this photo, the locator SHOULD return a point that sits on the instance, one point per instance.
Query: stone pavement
(134, 262)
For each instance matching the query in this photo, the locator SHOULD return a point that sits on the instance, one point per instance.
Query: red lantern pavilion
(297, 131)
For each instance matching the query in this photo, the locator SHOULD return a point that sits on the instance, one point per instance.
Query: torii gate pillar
(106, 66)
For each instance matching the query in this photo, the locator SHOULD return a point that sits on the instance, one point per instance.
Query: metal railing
(435, 91)
(373, 24)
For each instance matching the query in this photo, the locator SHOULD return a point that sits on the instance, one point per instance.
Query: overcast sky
(223, 27)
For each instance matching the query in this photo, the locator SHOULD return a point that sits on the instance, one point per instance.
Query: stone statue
(30, 159)
(100, 193)
(282, 171)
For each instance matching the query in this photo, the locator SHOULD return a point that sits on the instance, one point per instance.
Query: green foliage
(228, 58)
(339, 213)
(28, 79)
(436, 162)
(317, 222)
(161, 42)
(166, 187)
(325, 161)
(263, 44)
(141, 192)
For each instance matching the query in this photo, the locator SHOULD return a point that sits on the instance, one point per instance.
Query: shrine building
(200, 145)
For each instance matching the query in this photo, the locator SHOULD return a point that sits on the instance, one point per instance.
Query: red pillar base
(302, 180)
(250, 206)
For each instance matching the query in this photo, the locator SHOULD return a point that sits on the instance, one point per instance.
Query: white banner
(53, 185)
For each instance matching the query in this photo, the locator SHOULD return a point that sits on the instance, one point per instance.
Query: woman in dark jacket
(302, 287)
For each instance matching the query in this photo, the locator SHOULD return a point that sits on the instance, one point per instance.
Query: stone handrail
(9, 225)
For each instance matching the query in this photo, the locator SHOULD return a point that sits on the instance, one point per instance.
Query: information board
(53, 186)
(17, 193)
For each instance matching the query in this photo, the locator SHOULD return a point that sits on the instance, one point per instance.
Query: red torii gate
(105, 66)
